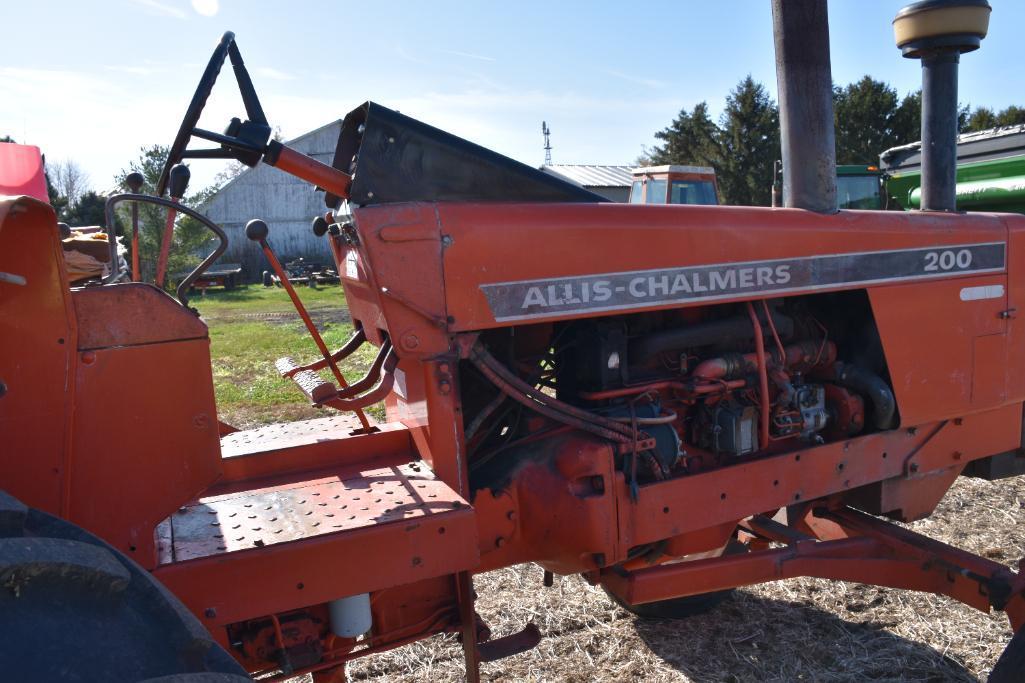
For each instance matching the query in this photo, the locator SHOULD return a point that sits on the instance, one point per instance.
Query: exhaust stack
(805, 84)
(937, 32)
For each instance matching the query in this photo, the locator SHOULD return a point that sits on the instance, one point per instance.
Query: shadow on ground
(752, 638)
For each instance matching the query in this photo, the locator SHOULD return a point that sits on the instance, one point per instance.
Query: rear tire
(268, 281)
(1010, 668)
(74, 608)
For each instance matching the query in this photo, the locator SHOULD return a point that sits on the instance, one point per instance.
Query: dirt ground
(796, 630)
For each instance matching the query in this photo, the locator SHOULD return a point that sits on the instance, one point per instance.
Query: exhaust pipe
(937, 32)
(805, 84)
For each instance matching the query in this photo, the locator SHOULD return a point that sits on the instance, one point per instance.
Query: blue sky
(93, 81)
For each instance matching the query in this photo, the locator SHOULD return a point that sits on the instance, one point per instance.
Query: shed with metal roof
(611, 182)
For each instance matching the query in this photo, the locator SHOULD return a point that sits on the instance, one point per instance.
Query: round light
(941, 24)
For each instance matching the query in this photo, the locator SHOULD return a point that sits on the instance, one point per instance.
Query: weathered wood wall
(288, 206)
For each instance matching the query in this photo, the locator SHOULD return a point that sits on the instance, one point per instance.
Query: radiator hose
(872, 387)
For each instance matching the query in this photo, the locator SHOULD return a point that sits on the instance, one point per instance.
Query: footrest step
(310, 383)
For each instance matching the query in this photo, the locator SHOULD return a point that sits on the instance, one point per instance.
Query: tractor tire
(682, 608)
(1010, 668)
(268, 281)
(72, 608)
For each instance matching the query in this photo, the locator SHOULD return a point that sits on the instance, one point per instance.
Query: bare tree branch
(70, 179)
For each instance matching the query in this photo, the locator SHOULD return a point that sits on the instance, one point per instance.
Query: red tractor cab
(674, 185)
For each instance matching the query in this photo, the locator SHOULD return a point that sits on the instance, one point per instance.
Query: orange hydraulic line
(663, 384)
(763, 376)
(286, 283)
(775, 334)
(165, 246)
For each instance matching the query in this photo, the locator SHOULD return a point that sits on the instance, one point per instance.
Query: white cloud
(206, 8)
(161, 8)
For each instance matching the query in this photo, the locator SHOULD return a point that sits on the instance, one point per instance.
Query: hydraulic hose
(872, 387)
(548, 406)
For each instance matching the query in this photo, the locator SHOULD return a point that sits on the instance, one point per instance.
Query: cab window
(693, 192)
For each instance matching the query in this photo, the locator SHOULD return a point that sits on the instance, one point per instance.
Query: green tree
(191, 240)
(88, 210)
(748, 144)
(1012, 116)
(982, 118)
(866, 116)
(690, 139)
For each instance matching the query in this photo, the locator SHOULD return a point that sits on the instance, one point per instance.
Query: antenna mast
(546, 131)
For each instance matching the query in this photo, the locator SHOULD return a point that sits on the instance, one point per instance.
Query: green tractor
(990, 172)
(990, 175)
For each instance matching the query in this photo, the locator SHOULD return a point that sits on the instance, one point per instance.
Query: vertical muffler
(937, 32)
(805, 83)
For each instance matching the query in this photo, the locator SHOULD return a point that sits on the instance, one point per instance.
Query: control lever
(257, 231)
(180, 175)
(134, 182)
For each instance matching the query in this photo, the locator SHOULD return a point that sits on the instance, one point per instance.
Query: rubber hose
(872, 387)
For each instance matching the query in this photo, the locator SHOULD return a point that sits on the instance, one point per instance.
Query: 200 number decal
(948, 260)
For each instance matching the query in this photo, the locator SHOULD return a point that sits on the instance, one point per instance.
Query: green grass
(260, 299)
(243, 349)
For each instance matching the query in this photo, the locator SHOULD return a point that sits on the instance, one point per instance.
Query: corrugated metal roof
(592, 176)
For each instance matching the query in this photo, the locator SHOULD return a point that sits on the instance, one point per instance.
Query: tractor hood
(394, 158)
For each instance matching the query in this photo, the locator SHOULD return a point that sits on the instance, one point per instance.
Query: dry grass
(798, 630)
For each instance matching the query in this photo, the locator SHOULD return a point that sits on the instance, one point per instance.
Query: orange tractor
(671, 401)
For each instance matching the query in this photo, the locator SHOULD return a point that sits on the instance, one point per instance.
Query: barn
(287, 204)
(611, 182)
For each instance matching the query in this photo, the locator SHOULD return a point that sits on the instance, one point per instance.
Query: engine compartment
(702, 387)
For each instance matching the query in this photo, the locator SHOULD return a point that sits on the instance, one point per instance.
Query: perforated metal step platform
(288, 435)
(302, 510)
(330, 505)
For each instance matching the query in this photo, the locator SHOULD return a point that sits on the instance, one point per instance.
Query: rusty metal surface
(131, 314)
(303, 510)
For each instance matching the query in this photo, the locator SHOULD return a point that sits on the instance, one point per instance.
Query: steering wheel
(192, 114)
(243, 141)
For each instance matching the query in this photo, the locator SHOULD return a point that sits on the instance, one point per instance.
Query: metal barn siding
(287, 204)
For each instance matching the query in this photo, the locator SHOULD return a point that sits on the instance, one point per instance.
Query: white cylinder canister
(350, 617)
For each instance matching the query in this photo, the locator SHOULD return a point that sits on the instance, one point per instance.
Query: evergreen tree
(748, 145)
(88, 210)
(867, 121)
(689, 140)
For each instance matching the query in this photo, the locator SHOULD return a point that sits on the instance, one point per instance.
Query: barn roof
(590, 175)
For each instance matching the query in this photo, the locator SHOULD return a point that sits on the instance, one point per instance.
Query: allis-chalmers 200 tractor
(671, 401)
